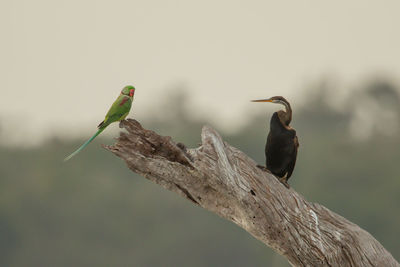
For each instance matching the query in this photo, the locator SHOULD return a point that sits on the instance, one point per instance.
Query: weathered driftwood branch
(222, 179)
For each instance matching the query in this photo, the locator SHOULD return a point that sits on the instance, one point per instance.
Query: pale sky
(64, 62)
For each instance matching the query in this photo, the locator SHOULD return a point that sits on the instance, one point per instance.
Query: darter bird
(282, 143)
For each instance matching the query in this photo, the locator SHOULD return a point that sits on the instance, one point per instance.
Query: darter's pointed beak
(262, 100)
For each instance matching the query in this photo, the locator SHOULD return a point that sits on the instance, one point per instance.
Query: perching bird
(282, 142)
(118, 111)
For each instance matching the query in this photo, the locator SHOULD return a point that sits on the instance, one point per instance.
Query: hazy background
(64, 62)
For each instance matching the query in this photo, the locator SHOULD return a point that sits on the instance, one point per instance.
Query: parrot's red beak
(131, 92)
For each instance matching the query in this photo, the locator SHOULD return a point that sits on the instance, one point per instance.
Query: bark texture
(224, 180)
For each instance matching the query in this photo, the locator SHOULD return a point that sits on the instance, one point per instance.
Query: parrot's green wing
(118, 111)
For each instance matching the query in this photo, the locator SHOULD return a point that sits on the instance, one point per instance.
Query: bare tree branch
(222, 179)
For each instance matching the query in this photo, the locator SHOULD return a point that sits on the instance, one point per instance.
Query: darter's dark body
(282, 142)
(281, 148)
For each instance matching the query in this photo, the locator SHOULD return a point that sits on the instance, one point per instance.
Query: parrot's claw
(181, 146)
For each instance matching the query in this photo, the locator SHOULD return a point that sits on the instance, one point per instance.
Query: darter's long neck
(285, 116)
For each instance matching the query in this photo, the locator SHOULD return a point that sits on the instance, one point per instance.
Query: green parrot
(118, 111)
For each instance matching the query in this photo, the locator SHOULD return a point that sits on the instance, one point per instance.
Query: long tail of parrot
(85, 144)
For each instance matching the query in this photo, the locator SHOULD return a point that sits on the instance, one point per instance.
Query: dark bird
(282, 142)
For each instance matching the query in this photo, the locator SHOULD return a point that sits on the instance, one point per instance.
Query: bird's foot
(283, 180)
(263, 168)
(181, 146)
(184, 150)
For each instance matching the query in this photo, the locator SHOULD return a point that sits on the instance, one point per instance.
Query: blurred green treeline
(93, 211)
